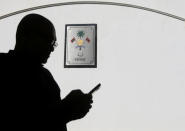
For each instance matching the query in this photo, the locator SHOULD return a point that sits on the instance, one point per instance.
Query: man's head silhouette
(35, 38)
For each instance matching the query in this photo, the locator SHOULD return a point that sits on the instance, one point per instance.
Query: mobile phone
(95, 89)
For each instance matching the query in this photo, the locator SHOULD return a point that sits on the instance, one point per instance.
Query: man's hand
(77, 104)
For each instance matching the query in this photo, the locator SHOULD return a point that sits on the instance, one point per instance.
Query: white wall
(141, 65)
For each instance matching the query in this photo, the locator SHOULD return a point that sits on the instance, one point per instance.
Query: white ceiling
(175, 7)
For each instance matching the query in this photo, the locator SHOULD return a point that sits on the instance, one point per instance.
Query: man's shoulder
(3, 55)
(4, 63)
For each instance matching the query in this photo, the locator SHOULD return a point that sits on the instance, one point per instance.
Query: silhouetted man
(30, 97)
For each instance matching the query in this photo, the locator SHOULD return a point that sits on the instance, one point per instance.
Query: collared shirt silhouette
(29, 96)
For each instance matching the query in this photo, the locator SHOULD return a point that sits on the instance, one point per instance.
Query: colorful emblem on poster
(80, 46)
(80, 41)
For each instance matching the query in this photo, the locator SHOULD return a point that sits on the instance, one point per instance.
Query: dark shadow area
(30, 97)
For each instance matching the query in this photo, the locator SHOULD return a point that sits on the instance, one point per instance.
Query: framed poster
(80, 46)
